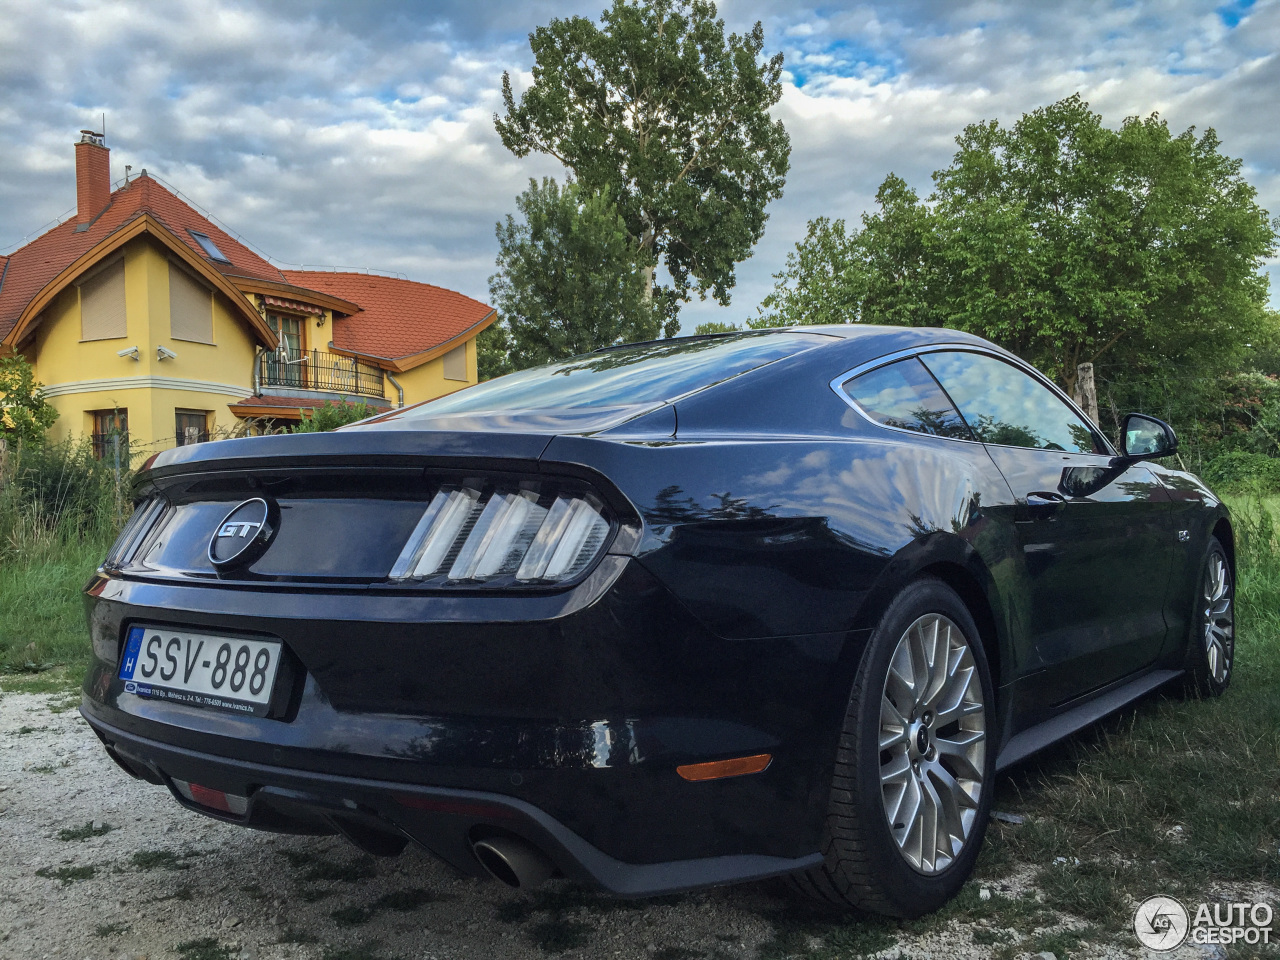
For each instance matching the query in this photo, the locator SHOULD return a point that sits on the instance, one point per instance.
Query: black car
(667, 615)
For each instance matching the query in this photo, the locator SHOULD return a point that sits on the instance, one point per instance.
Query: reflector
(718, 769)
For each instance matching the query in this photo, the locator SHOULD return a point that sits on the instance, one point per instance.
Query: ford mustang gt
(666, 615)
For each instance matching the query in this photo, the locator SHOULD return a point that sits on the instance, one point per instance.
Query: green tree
(715, 326)
(493, 351)
(658, 111)
(25, 414)
(1062, 240)
(569, 277)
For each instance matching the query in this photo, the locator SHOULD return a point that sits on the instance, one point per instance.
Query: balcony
(326, 372)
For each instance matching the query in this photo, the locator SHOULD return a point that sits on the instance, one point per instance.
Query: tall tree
(1063, 240)
(658, 111)
(570, 280)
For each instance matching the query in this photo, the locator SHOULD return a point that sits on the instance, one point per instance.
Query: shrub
(333, 415)
(1239, 471)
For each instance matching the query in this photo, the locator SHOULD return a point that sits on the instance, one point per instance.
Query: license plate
(201, 669)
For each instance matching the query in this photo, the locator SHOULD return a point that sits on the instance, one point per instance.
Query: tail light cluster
(526, 532)
(135, 531)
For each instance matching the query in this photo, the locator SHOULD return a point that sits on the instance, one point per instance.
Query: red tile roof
(398, 318)
(31, 267)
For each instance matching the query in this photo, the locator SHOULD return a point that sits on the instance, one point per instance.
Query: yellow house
(144, 318)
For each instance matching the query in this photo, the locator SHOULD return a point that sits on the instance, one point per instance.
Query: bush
(1241, 471)
(333, 415)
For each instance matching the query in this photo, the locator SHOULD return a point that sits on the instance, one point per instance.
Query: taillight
(134, 533)
(519, 533)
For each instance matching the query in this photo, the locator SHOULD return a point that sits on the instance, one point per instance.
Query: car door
(1092, 533)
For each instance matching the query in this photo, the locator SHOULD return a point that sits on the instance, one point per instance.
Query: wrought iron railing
(318, 370)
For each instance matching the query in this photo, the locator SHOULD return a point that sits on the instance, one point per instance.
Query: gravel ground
(94, 865)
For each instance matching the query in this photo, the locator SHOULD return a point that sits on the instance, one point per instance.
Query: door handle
(1044, 505)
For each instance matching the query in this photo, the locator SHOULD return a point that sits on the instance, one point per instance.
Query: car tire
(1211, 641)
(876, 856)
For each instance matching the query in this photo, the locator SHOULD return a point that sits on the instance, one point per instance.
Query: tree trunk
(1085, 393)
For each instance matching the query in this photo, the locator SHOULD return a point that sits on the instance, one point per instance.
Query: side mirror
(1145, 438)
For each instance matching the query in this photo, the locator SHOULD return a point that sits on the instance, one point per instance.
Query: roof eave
(407, 362)
(320, 299)
(143, 225)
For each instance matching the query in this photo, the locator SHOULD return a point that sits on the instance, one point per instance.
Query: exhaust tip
(516, 863)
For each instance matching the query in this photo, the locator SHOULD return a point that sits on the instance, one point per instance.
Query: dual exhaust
(518, 864)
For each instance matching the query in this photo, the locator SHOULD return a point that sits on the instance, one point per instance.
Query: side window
(905, 395)
(1004, 405)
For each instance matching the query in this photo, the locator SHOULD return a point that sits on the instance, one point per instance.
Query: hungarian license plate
(205, 670)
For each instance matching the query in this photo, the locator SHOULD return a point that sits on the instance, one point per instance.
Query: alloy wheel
(1219, 618)
(932, 743)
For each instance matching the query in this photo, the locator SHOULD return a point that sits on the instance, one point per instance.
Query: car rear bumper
(568, 717)
(446, 821)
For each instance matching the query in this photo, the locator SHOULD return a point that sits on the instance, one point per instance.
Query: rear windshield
(646, 373)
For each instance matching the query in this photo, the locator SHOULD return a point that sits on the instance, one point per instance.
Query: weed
(313, 894)
(157, 859)
(321, 869)
(109, 929)
(67, 875)
(989, 937)
(85, 832)
(206, 948)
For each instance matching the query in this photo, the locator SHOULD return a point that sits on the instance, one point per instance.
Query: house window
(102, 314)
(192, 426)
(190, 307)
(455, 363)
(110, 436)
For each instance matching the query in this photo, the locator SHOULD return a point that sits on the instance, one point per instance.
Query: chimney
(93, 176)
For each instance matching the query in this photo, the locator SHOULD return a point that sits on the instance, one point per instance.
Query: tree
(570, 279)
(715, 326)
(25, 414)
(493, 351)
(1062, 240)
(657, 111)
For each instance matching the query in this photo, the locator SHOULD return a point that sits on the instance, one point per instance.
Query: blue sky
(361, 135)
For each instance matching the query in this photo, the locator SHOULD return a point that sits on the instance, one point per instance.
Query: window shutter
(190, 307)
(455, 363)
(102, 314)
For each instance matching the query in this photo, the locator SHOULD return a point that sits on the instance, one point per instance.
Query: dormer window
(208, 246)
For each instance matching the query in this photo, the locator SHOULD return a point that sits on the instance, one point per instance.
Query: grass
(43, 640)
(67, 875)
(85, 832)
(158, 860)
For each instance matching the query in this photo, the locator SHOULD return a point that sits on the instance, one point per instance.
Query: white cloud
(361, 134)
